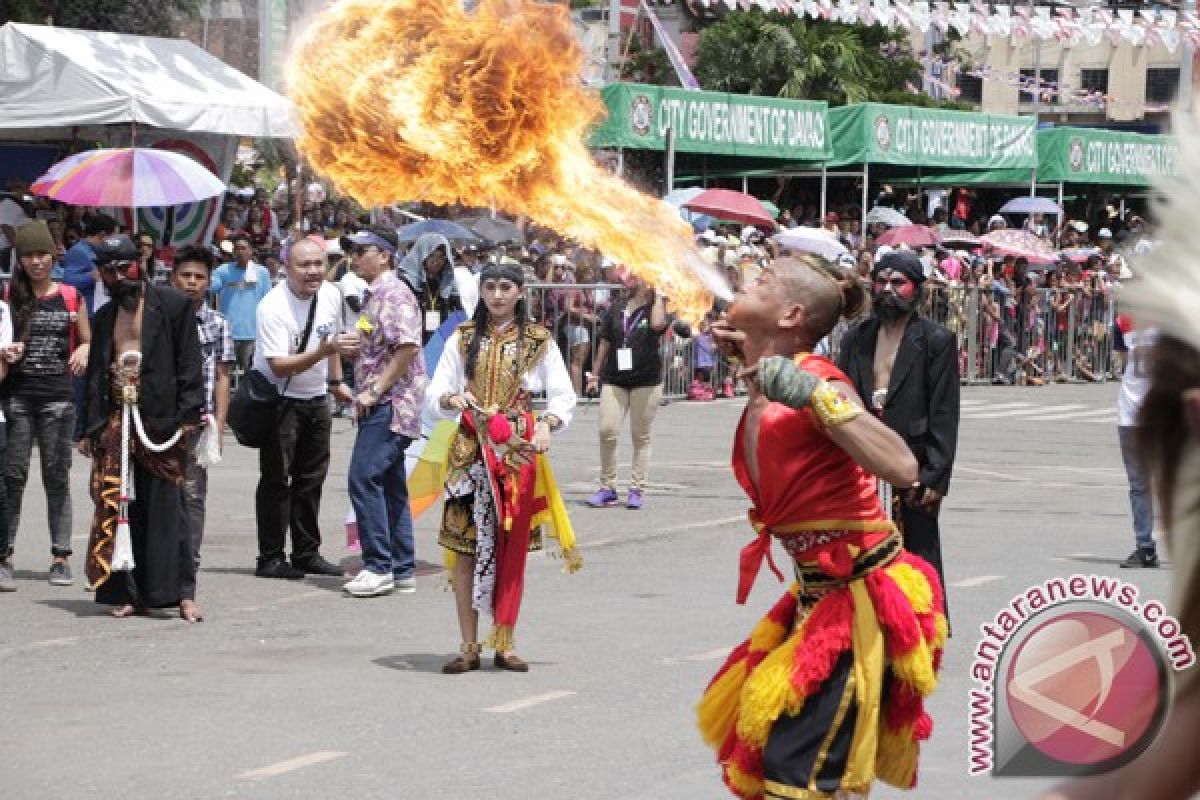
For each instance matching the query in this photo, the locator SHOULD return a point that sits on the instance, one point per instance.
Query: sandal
(469, 660)
(510, 662)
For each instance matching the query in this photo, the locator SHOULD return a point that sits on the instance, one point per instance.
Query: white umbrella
(1031, 205)
(11, 213)
(886, 216)
(811, 240)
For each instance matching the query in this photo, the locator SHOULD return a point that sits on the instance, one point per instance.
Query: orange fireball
(421, 100)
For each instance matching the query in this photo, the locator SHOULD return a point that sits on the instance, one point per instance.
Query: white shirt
(351, 286)
(280, 319)
(1135, 383)
(549, 376)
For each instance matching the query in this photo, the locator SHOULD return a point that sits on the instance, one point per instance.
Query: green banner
(714, 123)
(873, 133)
(1115, 158)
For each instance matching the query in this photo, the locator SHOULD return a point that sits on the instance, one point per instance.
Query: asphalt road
(292, 690)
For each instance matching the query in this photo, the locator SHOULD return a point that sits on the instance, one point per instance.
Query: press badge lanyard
(625, 353)
(433, 317)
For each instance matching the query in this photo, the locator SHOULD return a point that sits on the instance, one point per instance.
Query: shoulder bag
(256, 406)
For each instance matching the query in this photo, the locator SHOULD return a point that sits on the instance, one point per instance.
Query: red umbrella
(728, 204)
(911, 235)
(1013, 242)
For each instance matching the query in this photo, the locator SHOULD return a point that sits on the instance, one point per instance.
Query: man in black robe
(905, 367)
(145, 354)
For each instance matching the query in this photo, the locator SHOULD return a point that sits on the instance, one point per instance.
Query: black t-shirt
(631, 330)
(42, 376)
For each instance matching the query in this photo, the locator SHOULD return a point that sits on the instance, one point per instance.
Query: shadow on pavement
(80, 608)
(414, 662)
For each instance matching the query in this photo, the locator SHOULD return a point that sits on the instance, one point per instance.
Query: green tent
(713, 123)
(1082, 156)
(1099, 156)
(926, 138)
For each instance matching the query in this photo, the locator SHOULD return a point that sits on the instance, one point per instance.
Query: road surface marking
(53, 642)
(292, 764)
(1073, 557)
(989, 414)
(712, 523)
(528, 702)
(978, 580)
(710, 655)
(1075, 415)
(1006, 406)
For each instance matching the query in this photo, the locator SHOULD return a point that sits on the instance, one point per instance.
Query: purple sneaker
(634, 502)
(603, 498)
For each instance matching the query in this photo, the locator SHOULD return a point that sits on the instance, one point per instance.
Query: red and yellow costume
(827, 693)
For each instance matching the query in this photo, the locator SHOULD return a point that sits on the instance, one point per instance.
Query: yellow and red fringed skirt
(827, 694)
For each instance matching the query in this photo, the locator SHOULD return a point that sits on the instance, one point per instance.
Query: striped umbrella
(128, 177)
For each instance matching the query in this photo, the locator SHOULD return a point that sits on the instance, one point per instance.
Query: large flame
(422, 100)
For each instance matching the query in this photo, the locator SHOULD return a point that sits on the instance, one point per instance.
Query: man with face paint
(905, 368)
(144, 364)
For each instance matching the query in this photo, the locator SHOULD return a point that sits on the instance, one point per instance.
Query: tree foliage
(782, 55)
(157, 18)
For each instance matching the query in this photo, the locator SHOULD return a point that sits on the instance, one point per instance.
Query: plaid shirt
(216, 347)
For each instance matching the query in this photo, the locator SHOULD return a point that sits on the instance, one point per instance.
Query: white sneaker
(406, 585)
(368, 584)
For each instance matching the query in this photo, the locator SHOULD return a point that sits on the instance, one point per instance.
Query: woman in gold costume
(499, 491)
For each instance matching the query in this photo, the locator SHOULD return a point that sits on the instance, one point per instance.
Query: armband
(831, 407)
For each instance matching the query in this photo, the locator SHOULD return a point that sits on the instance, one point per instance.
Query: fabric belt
(758, 550)
(813, 579)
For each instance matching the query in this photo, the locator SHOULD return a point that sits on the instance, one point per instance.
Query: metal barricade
(1038, 336)
(572, 312)
(1005, 336)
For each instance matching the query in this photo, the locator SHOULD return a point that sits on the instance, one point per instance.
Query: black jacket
(922, 400)
(172, 383)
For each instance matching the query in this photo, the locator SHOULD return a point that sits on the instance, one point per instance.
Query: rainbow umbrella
(128, 177)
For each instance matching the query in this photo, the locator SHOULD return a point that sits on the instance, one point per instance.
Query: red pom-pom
(500, 430)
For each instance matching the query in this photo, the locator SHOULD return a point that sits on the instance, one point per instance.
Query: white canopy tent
(56, 79)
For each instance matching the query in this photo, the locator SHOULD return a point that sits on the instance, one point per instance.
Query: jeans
(52, 426)
(5, 541)
(641, 404)
(379, 495)
(292, 469)
(1140, 502)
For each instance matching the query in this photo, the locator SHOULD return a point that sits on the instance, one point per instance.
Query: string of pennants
(1141, 27)
(941, 73)
(1049, 90)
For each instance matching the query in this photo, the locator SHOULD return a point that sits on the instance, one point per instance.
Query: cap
(114, 250)
(366, 238)
(1079, 225)
(34, 237)
(1104, 233)
(996, 218)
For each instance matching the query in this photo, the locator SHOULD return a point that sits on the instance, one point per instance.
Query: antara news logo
(1073, 678)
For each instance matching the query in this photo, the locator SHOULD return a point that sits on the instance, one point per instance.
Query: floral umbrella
(1020, 243)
